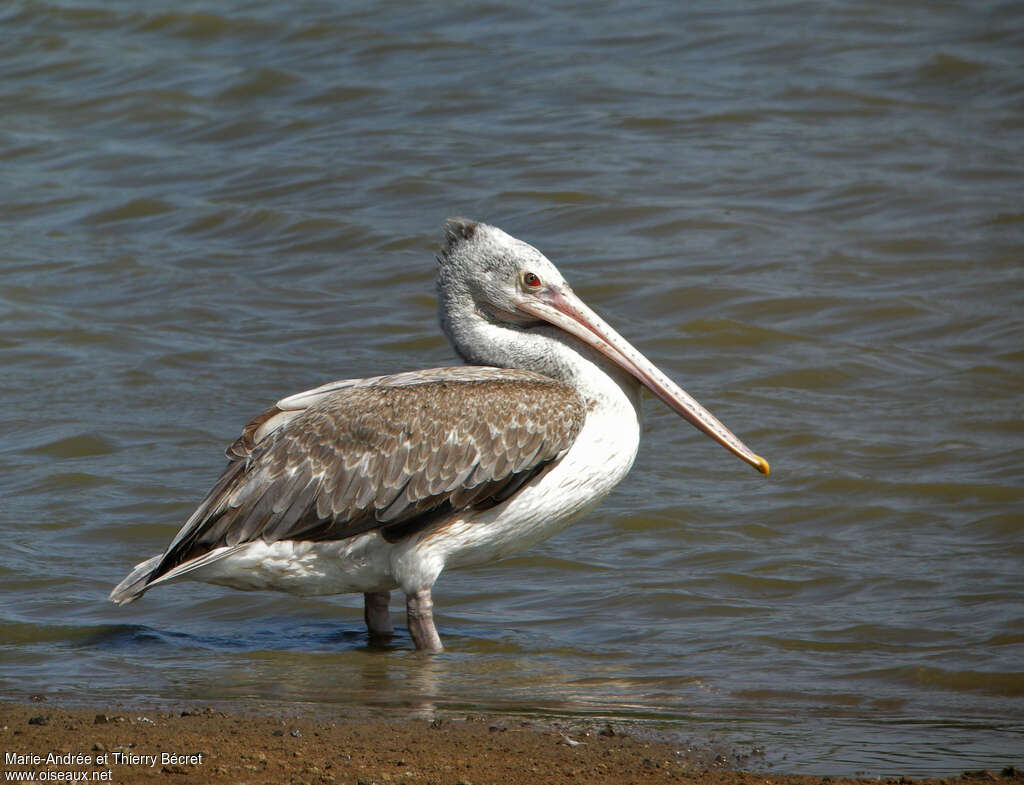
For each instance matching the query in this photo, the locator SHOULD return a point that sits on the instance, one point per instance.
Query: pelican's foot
(377, 614)
(419, 608)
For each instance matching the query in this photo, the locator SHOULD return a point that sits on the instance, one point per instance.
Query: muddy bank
(208, 746)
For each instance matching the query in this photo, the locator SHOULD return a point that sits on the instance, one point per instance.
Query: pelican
(371, 485)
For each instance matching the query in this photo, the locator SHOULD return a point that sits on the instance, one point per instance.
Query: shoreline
(188, 745)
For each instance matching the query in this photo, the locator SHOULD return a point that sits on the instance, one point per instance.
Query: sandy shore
(208, 746)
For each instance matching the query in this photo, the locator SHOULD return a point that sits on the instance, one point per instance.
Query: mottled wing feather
(389, 453)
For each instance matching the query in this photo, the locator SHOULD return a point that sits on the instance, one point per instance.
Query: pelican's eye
(531, 280)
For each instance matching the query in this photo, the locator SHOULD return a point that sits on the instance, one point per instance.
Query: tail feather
(135, 585)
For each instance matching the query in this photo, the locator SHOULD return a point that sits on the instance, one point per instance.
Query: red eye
(531, 280)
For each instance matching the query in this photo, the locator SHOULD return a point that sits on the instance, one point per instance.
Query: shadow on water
(335, 666)
(309, 638)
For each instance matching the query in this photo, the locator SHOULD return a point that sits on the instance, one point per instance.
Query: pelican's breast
(599, 458)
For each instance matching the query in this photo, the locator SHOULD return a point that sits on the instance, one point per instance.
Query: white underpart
(601, 456)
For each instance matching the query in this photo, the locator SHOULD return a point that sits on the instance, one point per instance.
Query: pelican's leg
(419, 609)
(376, 613)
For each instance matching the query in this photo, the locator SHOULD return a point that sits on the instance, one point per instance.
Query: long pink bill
(559, 306)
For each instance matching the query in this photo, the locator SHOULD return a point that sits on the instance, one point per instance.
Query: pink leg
(420, 613)
(376, 613)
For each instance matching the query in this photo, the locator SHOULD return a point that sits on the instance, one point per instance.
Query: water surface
(809, 214)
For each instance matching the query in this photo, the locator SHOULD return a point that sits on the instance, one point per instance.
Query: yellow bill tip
(762, 465)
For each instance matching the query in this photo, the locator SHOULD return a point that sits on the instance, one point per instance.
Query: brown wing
(390, 453)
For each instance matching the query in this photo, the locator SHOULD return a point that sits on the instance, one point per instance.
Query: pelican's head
(490, 275)
(493, 271)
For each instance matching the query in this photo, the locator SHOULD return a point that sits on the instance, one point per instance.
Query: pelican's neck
(543, 349)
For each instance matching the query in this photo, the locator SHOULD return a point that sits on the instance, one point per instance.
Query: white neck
(544, 349)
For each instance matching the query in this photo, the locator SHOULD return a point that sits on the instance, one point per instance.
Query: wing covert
(389, 453)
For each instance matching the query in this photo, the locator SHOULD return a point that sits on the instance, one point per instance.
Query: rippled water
(810, 214)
